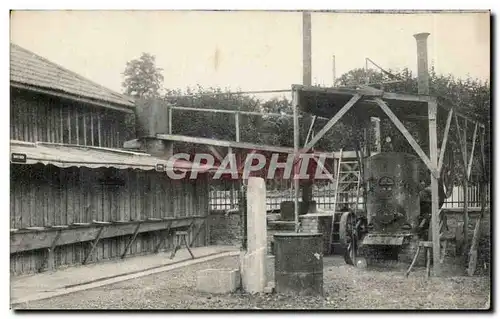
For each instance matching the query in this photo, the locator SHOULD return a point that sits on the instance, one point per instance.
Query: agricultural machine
(397, 210)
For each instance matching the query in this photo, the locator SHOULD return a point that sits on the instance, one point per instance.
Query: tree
(142, 79)
(470, 97)
(358, 77)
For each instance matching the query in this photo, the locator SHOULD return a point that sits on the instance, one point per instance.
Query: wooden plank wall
(35, 117)
(47, 195)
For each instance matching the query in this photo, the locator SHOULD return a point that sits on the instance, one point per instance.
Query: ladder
(347, 186)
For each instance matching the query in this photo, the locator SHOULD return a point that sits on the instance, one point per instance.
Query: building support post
(465, 184)
(306, 80)
(296, 184)
(473, 253)
(436, 242)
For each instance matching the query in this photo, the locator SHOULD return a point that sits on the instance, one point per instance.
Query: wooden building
(75, 197)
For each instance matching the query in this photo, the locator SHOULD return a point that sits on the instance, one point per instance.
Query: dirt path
(345, 288)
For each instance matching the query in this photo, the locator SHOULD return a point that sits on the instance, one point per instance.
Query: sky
(250, 50)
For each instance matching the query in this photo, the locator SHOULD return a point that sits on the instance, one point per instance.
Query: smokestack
(306, 48)
(423, 68)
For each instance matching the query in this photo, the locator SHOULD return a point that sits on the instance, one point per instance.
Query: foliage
(142, 78)
(358, 77)
(470, 97)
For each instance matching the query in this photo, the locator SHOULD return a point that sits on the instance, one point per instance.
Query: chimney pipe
(306, 48)
(423, 68)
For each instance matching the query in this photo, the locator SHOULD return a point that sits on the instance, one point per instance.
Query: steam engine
(394, 220)
(392, 194)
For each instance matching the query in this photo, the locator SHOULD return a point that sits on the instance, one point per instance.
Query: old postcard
(250, 160)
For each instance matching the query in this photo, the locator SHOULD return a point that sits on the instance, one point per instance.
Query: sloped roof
(31, 71)
(64, 156)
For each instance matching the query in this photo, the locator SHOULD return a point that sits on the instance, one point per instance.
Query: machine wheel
(348, 237)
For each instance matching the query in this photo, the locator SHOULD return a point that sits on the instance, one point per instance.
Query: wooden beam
(461, 141)
(445, 140)
(351, 92)
(465, 183)
(332, 121)
(432, 167)
(436, 243)
(131, 241)
(459, 210)
(483, 154)
(170, 110)
(49, 259)
(85, 128)
(296, 141)
(94, 245)
(92, 127)
(469, 167)
(477, 229)
(237, 125)
(232, 144)
(162, 239)
(310, 130)
(99, 129)
(31, 240)
(467, 119)
(77, 118)
(68, 120)
(216, 153)
(195, 109)
(197, 232)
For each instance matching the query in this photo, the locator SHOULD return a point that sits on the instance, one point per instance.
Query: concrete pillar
(422, 64)
(253, 260)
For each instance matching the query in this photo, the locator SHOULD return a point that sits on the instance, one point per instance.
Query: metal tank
(392, 192)
(298, 263)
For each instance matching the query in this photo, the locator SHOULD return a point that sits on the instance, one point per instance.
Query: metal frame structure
(434, 162)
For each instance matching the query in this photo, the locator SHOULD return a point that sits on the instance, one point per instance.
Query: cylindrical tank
(392, 181)
(298, 267)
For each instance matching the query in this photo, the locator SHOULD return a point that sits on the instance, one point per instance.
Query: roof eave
(100, 103)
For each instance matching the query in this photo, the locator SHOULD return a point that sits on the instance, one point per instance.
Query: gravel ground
(345, 288)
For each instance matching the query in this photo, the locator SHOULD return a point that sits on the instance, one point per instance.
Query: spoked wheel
(348, 237)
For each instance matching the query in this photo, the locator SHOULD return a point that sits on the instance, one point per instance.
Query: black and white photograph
(250, 160)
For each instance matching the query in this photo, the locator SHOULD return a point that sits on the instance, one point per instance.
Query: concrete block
(219, 281)
(253, 271)
(269, 269)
